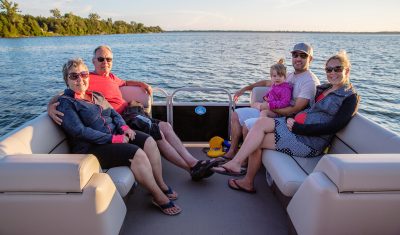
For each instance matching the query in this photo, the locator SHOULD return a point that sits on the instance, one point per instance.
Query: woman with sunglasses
(93, 126)
(305, 135)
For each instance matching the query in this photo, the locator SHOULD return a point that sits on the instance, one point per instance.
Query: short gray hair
(101, 47)
(72, 63)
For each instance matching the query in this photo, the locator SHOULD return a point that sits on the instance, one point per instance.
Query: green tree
(56, 13)
(13, 24)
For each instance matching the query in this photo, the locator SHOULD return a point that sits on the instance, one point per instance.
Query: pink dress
(279, 96)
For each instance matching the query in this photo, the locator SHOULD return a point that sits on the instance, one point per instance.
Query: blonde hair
(279, 67)
(72, 63)
(344, 60)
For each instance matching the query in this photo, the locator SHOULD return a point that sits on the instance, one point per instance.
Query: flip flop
(227, 171)
(170, 193)
(164, 207)
(235, 186)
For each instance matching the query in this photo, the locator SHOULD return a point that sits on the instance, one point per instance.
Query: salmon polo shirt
(109, 88)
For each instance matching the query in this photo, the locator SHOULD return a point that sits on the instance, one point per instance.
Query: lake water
(30, 68)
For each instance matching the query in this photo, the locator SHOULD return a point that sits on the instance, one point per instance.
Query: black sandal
(202, 169)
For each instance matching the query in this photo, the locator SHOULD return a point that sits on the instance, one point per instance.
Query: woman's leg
(253, 141)
(142, 170)
(255, 162)
(151, 150)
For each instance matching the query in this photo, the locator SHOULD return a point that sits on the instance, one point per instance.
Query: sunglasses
(75, 76)
(302, 55)
(337, 69)
(101, 59)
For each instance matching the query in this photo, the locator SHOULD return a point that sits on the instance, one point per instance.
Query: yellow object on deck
(216, 148)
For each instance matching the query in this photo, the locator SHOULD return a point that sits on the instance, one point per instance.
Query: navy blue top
(88, 123)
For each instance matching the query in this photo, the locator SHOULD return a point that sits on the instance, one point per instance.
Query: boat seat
(349, 194)
(39, 174)
(135, 93)
(359, 136)
(353, 189)
(52, 193)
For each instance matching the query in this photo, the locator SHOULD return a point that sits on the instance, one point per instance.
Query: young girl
(278, 96)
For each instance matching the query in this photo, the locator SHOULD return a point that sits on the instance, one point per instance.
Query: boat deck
(209, 207)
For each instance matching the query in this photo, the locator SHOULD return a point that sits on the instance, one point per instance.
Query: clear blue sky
(293, 15)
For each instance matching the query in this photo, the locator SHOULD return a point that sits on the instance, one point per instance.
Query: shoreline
(217, 31)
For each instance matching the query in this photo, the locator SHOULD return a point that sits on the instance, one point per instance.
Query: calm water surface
(31, 67)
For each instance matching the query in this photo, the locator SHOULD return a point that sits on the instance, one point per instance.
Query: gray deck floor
(209, 207)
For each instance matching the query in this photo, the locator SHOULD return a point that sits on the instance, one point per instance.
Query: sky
(258, 15)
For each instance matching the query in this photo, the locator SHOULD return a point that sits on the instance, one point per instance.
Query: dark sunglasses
(75, 76)
(302, 55)
(101, 59)
(337, 69)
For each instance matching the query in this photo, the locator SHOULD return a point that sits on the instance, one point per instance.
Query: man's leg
(172, 147)
(175, 142)
(236, 133)
(171, 154)
(261, 135)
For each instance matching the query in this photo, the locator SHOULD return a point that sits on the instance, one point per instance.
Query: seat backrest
(135, 93)
(362, 135)
(257, 94)
(40, 136)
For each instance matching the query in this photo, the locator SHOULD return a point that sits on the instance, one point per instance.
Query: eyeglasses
(302, 55)
(101, 59)
(75, 76)
(337, 69)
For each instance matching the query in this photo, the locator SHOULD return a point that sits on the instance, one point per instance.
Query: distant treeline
(13, 24)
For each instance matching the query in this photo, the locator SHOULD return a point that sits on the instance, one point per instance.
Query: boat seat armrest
(48, 173)
(362, 172)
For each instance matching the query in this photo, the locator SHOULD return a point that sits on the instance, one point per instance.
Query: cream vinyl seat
(353, 189)
(46, 190)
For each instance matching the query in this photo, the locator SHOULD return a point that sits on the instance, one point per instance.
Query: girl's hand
(264, 106)
(256, 105)
(289, 123)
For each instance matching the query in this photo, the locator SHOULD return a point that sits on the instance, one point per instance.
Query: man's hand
(54, 113)
(146, 87)
(143, 85)
(237, 94)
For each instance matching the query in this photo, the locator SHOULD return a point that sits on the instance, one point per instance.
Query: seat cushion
(123, 179)
(284, 171)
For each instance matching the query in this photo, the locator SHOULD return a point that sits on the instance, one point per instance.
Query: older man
(105, 82)
(304, 87)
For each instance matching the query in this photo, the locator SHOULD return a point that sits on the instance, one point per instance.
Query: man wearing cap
(304, 84)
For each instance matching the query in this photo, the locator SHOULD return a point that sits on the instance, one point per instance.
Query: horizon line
(285, 31)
